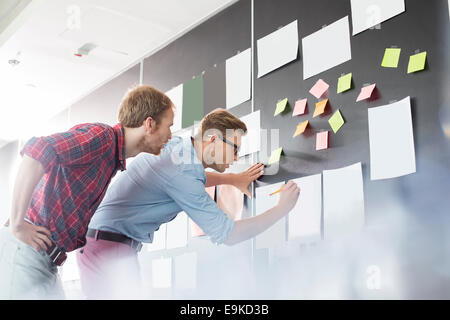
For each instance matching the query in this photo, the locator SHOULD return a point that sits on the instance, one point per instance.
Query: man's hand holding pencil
(289, 194)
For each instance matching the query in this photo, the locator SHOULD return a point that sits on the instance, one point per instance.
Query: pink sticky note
(366, 92)
(322, 140)
(319, 88)
(300, 107)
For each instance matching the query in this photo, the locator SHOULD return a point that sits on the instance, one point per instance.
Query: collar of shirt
(118, 130)
(195, 163)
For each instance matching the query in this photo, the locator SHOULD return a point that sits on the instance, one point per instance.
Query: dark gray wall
(412, 210)
(406, 217)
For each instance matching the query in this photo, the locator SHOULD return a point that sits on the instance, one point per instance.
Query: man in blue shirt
(154, 189)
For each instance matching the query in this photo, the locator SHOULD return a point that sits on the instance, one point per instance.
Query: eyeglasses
(236, 148)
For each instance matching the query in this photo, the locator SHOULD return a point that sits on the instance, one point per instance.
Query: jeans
(26, 273)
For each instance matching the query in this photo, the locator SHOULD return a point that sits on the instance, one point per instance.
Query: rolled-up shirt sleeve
(40, 150)
(74, 147)
(190, 194)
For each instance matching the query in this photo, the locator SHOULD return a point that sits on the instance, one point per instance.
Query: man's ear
(149, 125)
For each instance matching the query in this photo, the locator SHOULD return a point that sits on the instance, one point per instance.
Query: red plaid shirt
(78, 164)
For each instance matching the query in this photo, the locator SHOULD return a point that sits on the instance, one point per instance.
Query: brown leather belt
(57, 255)
(115, 237)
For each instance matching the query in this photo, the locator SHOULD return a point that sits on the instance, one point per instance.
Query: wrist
(16, 226)
(232, 178)
(281, 209)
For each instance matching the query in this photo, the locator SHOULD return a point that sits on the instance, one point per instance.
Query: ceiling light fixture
(13, 62)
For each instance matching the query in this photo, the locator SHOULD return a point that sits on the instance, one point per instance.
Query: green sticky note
(391, 57)
(275, 156)
(192, 101)
(336, 121)
(417, 62)
(344, 83)
(281, 105)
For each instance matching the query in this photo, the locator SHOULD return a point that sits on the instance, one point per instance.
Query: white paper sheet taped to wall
(186, 271)
(277, 49)
(304, 220)
(326, 48)
(176, 96)
(177, 231)
(251, 142)
(239, 78)
(391, 140)
(367, 14)
(159, 239)
(162, 273)
(343, 201)
(276, 234)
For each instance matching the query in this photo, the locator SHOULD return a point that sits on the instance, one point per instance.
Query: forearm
(215, 178)
(248, 228)
(29, 174)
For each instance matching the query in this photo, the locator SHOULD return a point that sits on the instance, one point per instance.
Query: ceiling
(44, 35)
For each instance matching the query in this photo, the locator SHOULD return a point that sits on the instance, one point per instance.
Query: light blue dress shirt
(154, 189)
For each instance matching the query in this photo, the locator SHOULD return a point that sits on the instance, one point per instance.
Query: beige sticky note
(320, 107)
(300, 128)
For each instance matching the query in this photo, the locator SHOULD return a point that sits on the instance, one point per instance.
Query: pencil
(279, 190)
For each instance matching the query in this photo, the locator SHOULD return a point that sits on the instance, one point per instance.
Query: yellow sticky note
(301, 128)
(336, 121)
(391, 57)
(281, 105)
(344, 83)
(275, 156)
(417, 62)
(320, 107)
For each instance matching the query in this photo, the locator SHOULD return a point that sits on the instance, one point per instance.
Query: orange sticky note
(301, 128)
(322, 140)
(300, 107)
(319, 88)
(320, 107)
(366, 92)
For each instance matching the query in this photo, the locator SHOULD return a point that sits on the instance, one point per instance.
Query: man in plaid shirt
(62, 180)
